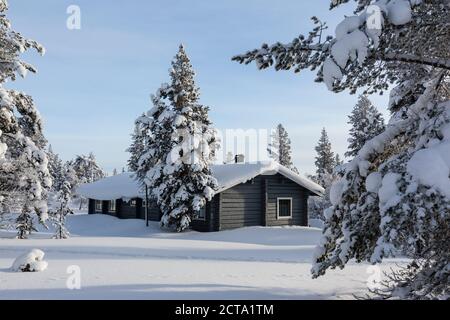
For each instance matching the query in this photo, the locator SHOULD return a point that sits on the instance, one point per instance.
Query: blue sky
(94, 82)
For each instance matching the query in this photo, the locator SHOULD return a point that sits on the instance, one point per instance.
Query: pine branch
(408, 58)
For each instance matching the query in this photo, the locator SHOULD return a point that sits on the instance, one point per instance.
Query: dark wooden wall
(126, 211)
(91, 206)
(279, 186)
(154, 214)
(254, 203)
(242, 205)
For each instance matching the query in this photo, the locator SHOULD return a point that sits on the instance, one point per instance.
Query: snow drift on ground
(122, 259)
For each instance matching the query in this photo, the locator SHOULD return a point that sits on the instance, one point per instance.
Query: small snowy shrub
(30, 262)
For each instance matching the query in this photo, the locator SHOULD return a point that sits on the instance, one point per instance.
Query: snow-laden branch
(408, 58)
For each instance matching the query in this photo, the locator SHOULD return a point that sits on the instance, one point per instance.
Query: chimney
(239, 158)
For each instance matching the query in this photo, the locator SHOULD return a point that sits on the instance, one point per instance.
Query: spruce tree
(280, 148)
(156, 130)
(55, 168)
(136, 148)
(24, 176)
(59, 216)
(367, 122)
(337, 160)
(325, 160)
(189, 182)
(87, 170)
(388, 200)
(180, 148)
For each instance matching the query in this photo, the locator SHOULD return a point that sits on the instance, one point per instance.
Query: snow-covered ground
(122, 259)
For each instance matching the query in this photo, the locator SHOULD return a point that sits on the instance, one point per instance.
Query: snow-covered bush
(394, 195)
(32, 261)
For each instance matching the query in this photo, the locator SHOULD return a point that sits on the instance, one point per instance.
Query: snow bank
(248, 263)
(124, 186)
(316, 223)
(30, 262)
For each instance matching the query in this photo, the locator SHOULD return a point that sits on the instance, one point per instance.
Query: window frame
(198, 215)
(110, 202)
(133, 203)
(96, 208)
(278, 208)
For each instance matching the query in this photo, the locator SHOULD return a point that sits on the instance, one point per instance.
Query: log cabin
(249, 194)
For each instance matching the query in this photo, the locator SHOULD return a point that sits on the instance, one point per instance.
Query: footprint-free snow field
(122, 259)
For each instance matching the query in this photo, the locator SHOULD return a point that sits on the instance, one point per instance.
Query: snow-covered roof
(228, 175)
(121, 186)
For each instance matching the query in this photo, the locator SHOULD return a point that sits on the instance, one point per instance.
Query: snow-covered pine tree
(55, 168)
(327, 169)
(388, 200)
(366, 123)
(24, 173)
(155, 128)
(337, 160)
(181, 147)
(325, 161)
(189, 182)
(59, 216)
(280, 148)
(87, 170)
(136, 148)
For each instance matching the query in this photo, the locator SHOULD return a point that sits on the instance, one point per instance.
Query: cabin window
(133, 203)
(98, 206)
(201, 214)
(112, 206)
(284, 208)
